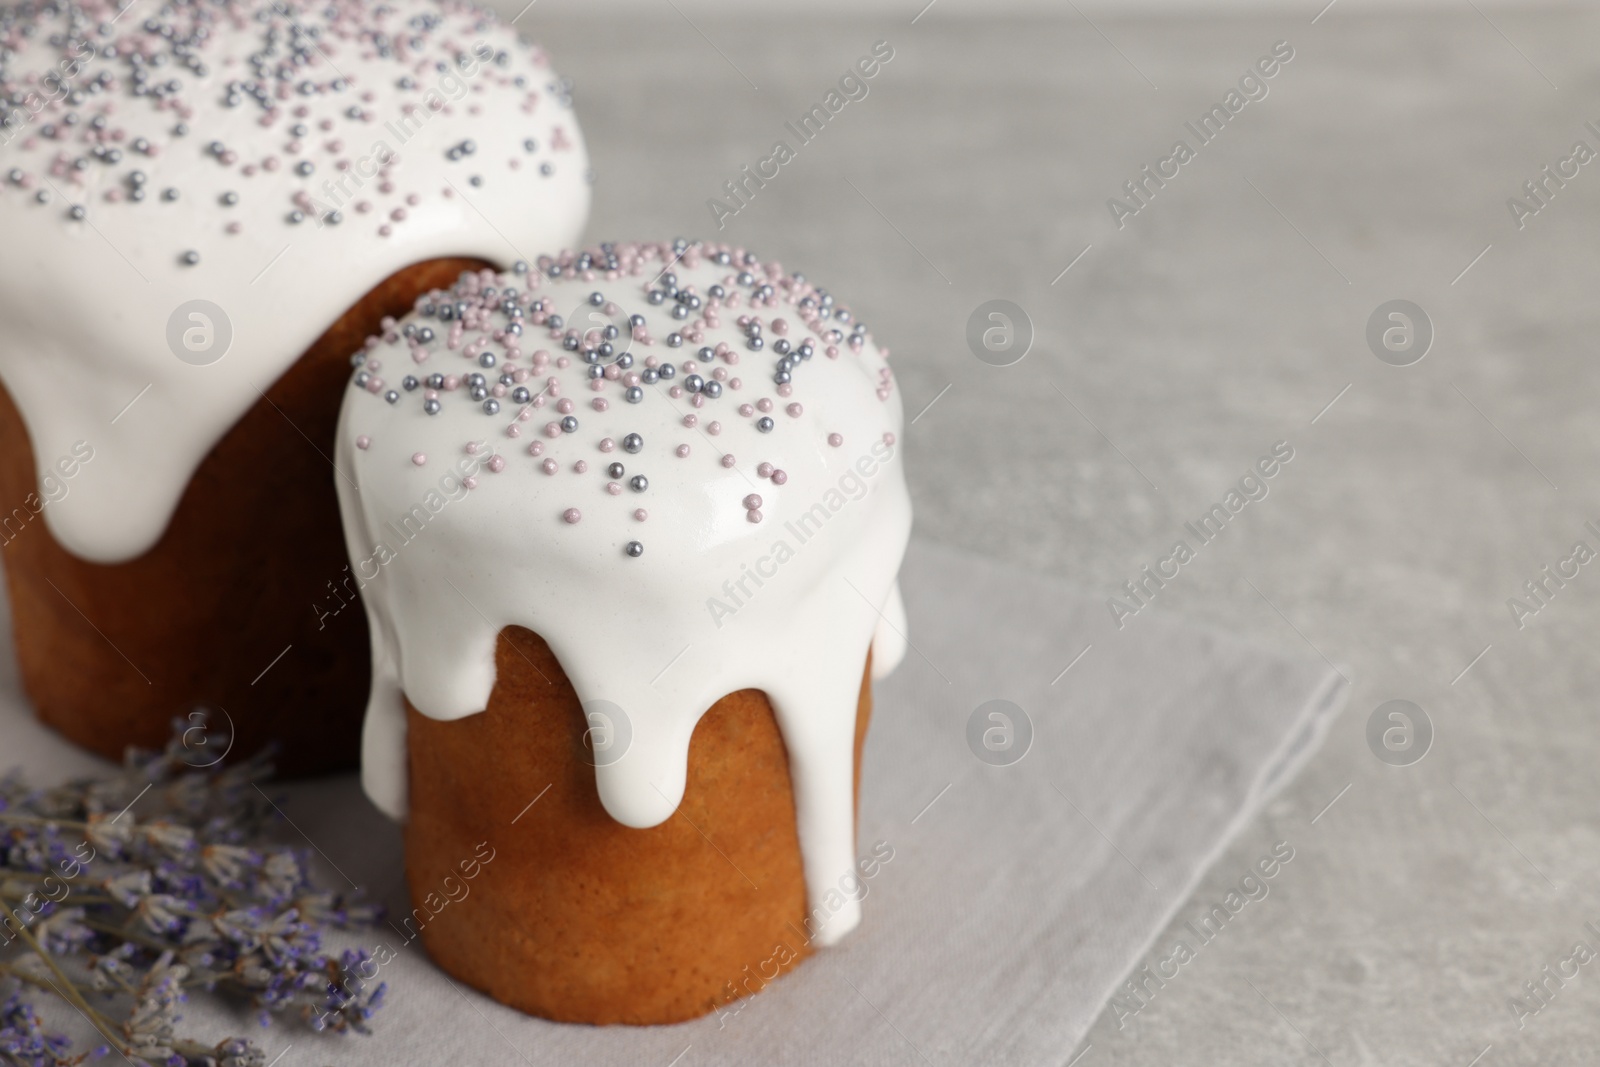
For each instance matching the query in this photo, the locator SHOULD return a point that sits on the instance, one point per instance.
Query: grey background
(1222, 319)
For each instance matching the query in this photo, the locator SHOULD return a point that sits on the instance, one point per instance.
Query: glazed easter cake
(204, 207)
(628, 545)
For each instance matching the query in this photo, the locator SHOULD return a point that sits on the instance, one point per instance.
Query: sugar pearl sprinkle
(146, 98)
(498, 346)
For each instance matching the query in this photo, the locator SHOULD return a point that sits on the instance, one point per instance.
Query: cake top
(193, 191)
(677, 464)
(601, 368)
(301, 107)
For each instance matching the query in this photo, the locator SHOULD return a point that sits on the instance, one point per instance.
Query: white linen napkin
(1018, 893)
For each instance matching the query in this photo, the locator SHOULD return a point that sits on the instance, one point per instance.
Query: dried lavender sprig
(108, 907)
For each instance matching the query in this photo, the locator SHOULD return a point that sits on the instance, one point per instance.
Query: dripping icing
(194, 98)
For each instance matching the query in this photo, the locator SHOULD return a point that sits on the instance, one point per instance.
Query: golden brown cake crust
(110, 654)
(577, 917)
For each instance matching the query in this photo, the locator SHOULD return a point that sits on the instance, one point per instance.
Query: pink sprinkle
(472, 448)
(614, 488)
(833, 439)
(752, 502)
(714, 428)
(727, 461)
(640, 515)
(607, 445)
(779, 477)
(535, 448)
(794, 410)
(785, 389)
(683, 451)
(746, 410)
(735, 383)
(888, 438)
(754, 515)
(599, 403)
(419, 458)
(564, 406)
(764, 404)
(572, 515)
(691, 419)
(833, 351)
(764, 470)
(549, 466)
(470, 483)
(363, 442)
(552, 429)
(497, 464)
(580, 466)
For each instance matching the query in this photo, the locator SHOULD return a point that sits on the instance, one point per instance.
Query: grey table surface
(1227, 315)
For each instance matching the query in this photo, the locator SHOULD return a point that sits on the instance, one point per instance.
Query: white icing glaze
(643, 633)
(85, 304)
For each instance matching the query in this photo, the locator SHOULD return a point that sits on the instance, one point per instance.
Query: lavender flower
(24, 1041)
(163, 914)
(229, 865)
(64, 932)
(110, 836)
(281, 875)
(175, 841)
(128, 888)
(124, 916)
(151, 1026)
